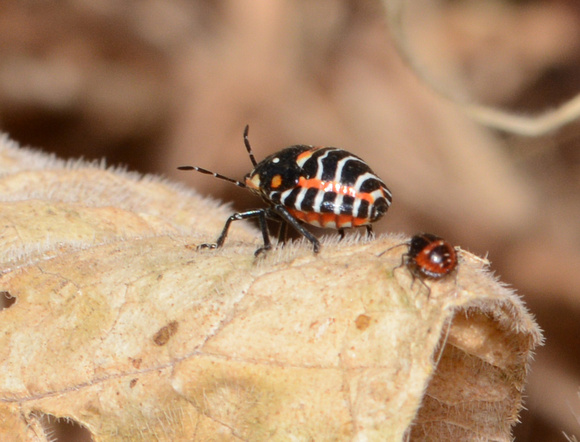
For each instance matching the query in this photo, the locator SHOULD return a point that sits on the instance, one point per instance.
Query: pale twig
(492, 117)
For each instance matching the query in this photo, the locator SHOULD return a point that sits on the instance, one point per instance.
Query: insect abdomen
(431, 256)
(336, 190)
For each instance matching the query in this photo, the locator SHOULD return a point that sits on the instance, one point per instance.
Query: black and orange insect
(428, 257)
(321, 186)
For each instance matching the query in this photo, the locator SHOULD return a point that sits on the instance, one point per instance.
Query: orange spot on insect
(276, 181)
(357, 222)
(333, 186)
(298, 214)
(344, 221)
(327, 218)
(313, 217)
(304, 156)
(316, 219)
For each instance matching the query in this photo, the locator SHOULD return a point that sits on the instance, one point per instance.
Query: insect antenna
(209, 172)
(393, 247)
(248, 147)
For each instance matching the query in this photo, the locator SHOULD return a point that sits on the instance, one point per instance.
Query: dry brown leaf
(122, 326)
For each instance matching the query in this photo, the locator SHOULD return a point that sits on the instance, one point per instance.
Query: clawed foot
(207, 246)
(370, 233)
(213, 246)
(263, 249)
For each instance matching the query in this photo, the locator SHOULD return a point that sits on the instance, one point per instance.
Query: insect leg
(283, 232)
(260, 213)
(341, 234)
(370, 233)
(286, 216)
(404, 261)
(265, 233)
(421, 281)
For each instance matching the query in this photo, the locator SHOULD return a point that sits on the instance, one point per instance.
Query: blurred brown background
(154, 84)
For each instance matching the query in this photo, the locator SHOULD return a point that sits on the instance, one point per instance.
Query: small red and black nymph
(321, 186)
(428, 257)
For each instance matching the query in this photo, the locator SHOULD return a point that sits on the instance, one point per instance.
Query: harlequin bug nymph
(428, 257)
(321, 186)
